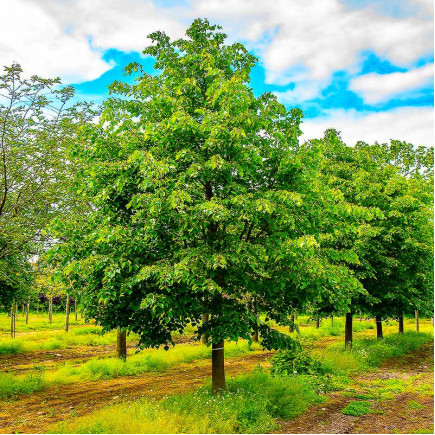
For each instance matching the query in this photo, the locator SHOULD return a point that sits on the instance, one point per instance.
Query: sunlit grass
(146, 361)
(251, 404)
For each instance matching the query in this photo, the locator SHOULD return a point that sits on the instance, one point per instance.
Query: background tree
(396, 248)
(35, 127)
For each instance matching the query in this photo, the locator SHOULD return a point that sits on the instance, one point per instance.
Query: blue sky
(364, 67)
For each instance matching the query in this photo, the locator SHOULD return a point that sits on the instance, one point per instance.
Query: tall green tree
(201, 201)
(36, 125)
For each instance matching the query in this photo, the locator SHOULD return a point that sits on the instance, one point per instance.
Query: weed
(357, 408)
(412, 404)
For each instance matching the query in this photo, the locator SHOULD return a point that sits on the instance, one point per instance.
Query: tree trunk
(50, 309)
(296, 315)
(217, 367)
(27, 313)
(291, 327)
(401, 324)
(13, 314)
(205, 318)
(67, 312)
(254, 310)
(348, 332)
(360, 316)
(121, 344)
(417, 321)
(24, 310)
(379, 335)
(318, 322)
(332, 319)
(75, 308)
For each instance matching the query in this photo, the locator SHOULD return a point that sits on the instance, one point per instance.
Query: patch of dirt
(388, 416)
(36, 413)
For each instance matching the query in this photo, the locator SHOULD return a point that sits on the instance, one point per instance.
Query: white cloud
(296, 40)
(322, 35)
(411, 124)
(34, 38)
(375, 88)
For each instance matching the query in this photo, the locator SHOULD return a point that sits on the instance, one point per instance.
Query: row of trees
(192, 201)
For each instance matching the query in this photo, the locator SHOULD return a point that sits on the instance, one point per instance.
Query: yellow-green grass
(251, 404)
(370, 353)
(37, 322)
(148, 360)
(59, 339)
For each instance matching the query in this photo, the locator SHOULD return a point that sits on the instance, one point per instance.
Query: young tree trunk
(75, 308)
(50, 309)
(296, 315)
(67, 313)
(292, 319)
(205, 318)
(121, 344)
(254, 310)
(332, 319)
(417, 321)
(37, 309)
(348, 332)
(318, 322)
(360, 316)
(401, 324)
(217, 367)
(24, 310)
(379, 335)
(27, 313)
(13, 313)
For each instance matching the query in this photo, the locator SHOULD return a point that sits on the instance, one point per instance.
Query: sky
(364, 67)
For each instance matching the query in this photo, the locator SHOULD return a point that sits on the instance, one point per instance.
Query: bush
(295, 361)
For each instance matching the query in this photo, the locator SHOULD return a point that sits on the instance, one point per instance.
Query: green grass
(251, 404)
(357, 408)
(412, 404)
(108, 368)
(11, 385)
(369, 353)
(52, 340)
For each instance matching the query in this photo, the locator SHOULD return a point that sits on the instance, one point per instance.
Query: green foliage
(35, 128)
(357, 408)
(295, 361)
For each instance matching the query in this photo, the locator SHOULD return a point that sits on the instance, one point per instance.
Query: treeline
(186, 199)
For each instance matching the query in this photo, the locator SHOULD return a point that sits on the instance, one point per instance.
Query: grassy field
(43, 358)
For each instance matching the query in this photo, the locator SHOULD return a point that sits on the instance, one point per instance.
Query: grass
(251, 404)
(11, 385)
(369, 353)
(108, 368)
(52, 340)
(357, 408)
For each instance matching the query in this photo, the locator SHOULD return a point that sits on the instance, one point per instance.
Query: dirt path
(38, 412)
(408, 411)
